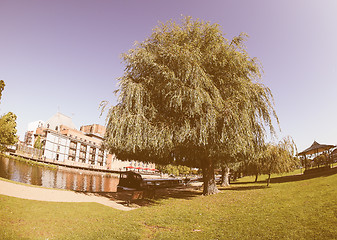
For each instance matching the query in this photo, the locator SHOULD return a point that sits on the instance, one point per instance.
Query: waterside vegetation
(30, 162)
(7, 126)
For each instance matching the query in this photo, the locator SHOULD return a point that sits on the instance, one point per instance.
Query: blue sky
(65, 55)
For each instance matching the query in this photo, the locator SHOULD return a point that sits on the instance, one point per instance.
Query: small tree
(279, 158)
(38, 143)
(7, 126)
(227, 164)
(7, 130)
(321, 160)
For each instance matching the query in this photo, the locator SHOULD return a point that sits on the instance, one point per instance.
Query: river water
(64, 178)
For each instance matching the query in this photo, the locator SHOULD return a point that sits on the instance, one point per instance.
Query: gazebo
(314, 150)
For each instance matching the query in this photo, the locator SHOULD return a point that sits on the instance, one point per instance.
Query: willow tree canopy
(188, 93)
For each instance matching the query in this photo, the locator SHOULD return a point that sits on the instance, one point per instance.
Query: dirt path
(53, 195)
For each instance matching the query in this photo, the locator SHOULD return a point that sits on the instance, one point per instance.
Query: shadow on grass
(241, 188)
(150, 196)
(295, 178)
(153, 196)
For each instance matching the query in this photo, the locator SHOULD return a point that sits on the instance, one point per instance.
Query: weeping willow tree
(279, 158)
(189, 96)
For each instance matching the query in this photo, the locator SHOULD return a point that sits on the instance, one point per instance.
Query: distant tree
(279, 158)
(230, 170)
(169, 169)
(7, 130)
(184, 170)
(189, 96)
(7, 126)
(226, 164)
(321, 160)
(225, 171)
(174, 170)
(2, 87)
(252, 165)
(38, 143)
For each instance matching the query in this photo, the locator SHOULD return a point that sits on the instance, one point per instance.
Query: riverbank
(70, 165)
(29, 192)
(292, 207)
(29, 161)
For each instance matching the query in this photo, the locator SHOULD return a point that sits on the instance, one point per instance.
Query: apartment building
(68, 144)
(62, 142)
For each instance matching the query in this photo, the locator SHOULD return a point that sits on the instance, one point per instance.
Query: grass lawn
(291, 208)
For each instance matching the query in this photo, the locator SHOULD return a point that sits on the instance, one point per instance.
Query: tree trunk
(225, 177)
(256, 176)
(208, 177)
(268, 180)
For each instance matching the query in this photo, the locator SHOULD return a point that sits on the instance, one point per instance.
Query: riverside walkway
(52, 195)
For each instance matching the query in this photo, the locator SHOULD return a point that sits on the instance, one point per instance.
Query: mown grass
(291, 208)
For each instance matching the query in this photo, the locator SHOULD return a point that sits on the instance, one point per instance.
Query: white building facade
(62, 142)
(63, 148)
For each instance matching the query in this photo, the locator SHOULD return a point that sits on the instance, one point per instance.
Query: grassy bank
(30, 162)
(293, 207)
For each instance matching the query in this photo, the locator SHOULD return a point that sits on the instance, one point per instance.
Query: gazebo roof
(316, 148)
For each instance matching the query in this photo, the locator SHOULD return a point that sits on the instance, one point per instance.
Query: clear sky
(65, 55)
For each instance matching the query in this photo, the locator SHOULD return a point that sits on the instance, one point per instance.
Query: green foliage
(272, 158)
(2, 87)
(38, 143)
(7, 126)
(279, 158)
(184, 170)
(190, 96)
(175, 170)
(31, 162)
(321, 160)
(7, 130)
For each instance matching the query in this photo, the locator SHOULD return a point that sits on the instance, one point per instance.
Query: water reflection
(57, 178)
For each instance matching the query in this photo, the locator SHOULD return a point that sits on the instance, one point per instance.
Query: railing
(29, 151)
